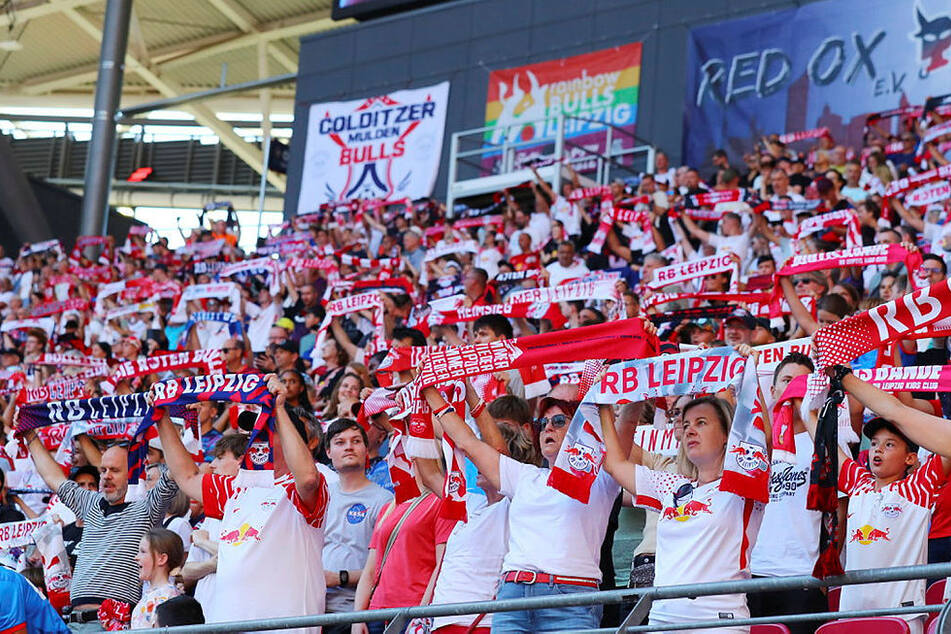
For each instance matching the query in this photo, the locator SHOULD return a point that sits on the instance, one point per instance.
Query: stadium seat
(878, 625)
(769, 628)
(833, 596)
(932, 627)
(933, 596)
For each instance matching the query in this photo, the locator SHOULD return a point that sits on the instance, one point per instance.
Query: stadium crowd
(357, 416)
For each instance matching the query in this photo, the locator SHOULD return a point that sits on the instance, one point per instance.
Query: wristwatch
(344, 577)
(840, 371)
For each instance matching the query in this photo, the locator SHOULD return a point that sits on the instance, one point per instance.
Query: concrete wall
(463, 41)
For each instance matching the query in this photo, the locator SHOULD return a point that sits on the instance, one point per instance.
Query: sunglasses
(557, 421)
(229, 349)
(802, 281)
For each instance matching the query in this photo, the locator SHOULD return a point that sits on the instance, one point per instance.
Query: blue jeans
(584, 617)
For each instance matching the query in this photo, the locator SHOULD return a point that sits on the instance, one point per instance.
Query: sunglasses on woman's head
(557, 421)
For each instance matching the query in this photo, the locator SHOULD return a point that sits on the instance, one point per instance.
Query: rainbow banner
(602, 86)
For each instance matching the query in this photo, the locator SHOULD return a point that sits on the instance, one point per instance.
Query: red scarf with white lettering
(815, 133)
(209, 360)
(709, 199)
(853, 336)
(874, 255)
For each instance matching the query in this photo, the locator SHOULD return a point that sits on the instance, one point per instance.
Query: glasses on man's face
(557, 422)
(924, 270)
(226, 350)
(801, 280)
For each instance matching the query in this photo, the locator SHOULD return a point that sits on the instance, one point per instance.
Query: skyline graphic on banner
(803, 68)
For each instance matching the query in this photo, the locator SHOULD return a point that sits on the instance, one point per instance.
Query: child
(890, 510)
(160, 552)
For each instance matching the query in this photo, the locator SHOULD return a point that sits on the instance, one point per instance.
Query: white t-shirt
(205, 588)
(739, 245)
(703, 535)
(183, 528)
(888, 528)
(212, 334)
(568, 214)
(473, 560)
(549, 531)
(558, 273)
(260, 324)
(539, 224)
(790, 542)
(268, 540)
(488, 260)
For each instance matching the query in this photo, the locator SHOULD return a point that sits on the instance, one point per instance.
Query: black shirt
(10, 514)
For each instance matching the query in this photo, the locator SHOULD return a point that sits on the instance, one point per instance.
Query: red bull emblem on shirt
(242, 534)
(581, 457)
(866, 535)
(684, 512)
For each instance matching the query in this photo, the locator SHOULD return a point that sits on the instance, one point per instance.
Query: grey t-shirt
(348, 527)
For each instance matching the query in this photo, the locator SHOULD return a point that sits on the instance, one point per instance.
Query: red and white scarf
(705, 267)
(838, 218)
(793, 137)
(853, 336)
(929, 194)
(211, 360)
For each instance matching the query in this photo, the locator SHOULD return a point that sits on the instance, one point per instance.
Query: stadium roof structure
(49, 54)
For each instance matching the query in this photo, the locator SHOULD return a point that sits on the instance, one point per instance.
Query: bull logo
(892, 510)
(684, 512)
(866, 535)
(455, 483)
(580, 457)
(242, 534)
(260, 453)
(934, 38)
(750, 457)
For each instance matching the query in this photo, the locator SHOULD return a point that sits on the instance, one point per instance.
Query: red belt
(524, 576)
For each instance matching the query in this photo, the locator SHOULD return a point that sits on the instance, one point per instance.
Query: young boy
(890, 509)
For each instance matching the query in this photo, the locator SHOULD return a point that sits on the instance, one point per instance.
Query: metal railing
(398, 617)
(493, 161)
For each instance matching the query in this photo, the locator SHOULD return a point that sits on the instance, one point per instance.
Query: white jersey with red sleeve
(269, 550)
(703, 534)
(887, 528)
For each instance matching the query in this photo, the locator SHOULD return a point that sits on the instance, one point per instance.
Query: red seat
(878, 625)
(833, 596)
(933, 596)
(935, 593)
(932, 627)
(769, 628)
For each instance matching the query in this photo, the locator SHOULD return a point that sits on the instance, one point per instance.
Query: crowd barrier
(399, 616)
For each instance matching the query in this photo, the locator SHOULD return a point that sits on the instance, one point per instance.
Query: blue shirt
(23, 605)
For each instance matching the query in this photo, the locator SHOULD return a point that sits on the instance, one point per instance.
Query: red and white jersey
(888, 528)
(269, 540)
(703, 534)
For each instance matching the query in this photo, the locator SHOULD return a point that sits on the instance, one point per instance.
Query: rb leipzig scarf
(746, 464)
(678, 273)
(625, 339)
(451, 248)
(582, 452)
(853, 336)
(709, 199)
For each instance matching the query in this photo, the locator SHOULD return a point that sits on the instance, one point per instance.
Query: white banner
(378, 148)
